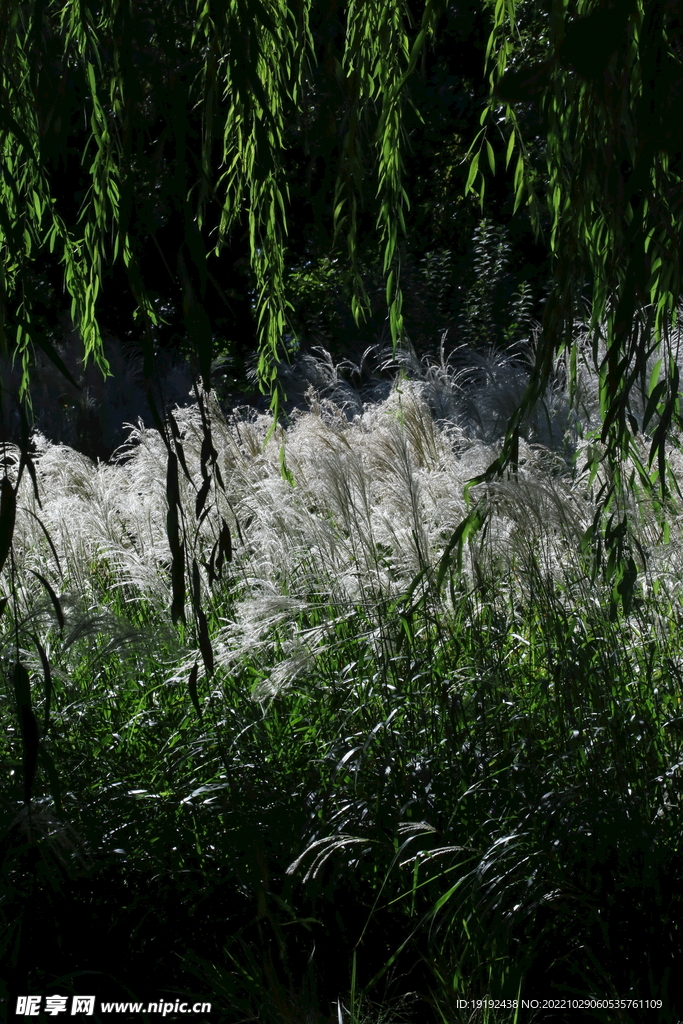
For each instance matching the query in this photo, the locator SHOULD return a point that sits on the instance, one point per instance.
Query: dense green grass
(387, 796)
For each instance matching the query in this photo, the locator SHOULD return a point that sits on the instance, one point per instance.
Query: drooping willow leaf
(245, 66)
(609, 90)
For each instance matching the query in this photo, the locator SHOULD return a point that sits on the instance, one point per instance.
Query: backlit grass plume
(336, 735)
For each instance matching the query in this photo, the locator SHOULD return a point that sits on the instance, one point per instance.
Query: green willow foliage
(610, 92)
(255, 58)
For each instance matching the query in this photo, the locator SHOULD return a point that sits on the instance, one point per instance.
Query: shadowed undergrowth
(338, 784)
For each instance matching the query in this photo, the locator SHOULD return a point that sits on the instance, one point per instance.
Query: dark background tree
(447, 96)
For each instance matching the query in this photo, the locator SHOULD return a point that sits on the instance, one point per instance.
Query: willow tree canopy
(610, 90)
(608, 86)
(245, 65)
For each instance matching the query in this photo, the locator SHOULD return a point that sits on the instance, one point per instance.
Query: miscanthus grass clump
(334, 767)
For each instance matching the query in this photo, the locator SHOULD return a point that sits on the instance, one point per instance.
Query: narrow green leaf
(178, 584)
(205, 642)
(91, 79)
(47, 679)
(202, 496)
(472, 522)
(28, 728)
(192, 688)
(510, 150)
(654, 376)
(8, 508)
(224, 546)
(491, 156)
(653, 402)
(472, 173)
(53, 597)
(180, 451)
